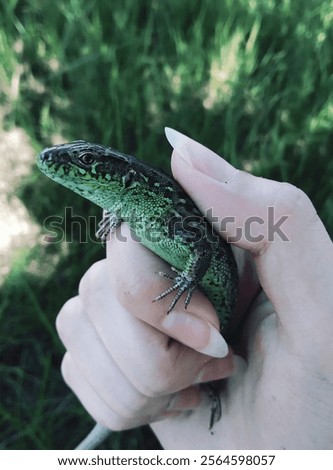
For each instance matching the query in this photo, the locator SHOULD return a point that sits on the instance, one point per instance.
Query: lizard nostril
(45, 156)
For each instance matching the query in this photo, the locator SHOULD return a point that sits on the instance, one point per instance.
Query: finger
(90, 399)
(196, 327)
(96, 406)
(294, 263)
(154, 364)
(90, 372)
(93, 359)
(174, 433)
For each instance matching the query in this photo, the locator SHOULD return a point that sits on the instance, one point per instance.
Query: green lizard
(160, 214)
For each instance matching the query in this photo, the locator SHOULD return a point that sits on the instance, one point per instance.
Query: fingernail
(195, 333)
(217, 370)
(200, 157)
(187, 399)
(217, 345)
(179, 142)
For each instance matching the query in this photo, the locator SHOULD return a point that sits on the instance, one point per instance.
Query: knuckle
(150, 390)
(118, 420)
(136, 407)
(105, 416)
(160, 380)
(157, 389)
(68, 315)
(91, 279)
(66, 368)
(293, 199)
(142, 382)
(113, 421)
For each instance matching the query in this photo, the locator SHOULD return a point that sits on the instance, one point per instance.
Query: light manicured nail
(217, 370)
(187, 399)
(217, 345)
(200, 157)
(179, 142)
(195, 333)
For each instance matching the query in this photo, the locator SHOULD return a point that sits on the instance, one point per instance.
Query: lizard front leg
(110, 221)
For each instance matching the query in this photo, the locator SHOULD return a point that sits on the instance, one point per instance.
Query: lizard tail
(96, 436)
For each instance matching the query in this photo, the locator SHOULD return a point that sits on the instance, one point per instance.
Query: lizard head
(91, 170)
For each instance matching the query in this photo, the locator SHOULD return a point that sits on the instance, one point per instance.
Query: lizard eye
(87, 158)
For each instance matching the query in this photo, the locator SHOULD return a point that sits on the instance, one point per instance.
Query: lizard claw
(182, 282)
(215, 409)
(107, 225)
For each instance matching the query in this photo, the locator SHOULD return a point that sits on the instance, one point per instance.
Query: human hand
(125, 369)
(283, 397)
(127, 361)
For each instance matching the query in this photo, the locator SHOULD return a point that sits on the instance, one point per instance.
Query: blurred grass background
(250, 79)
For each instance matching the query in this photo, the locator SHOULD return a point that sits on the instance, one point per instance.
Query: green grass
(251, 80)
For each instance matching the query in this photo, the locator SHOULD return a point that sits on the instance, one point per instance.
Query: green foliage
(250, 79)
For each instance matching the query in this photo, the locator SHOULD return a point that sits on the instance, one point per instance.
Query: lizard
(161, 215)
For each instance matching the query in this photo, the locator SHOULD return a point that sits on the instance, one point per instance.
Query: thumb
(276, 221)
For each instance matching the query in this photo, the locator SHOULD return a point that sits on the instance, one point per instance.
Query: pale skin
(131, 364)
